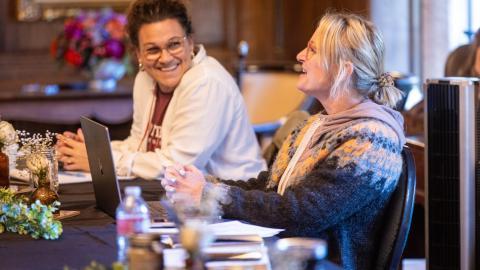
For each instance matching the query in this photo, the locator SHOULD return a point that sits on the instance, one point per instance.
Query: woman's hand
(71, 151)
(181, 181)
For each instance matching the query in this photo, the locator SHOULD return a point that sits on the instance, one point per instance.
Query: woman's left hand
(184, 180)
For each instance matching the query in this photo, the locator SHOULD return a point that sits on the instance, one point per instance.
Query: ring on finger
(169, 189)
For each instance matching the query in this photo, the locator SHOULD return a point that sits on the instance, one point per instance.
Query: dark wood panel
(301, 19)
(208, 21)
(3, 19)
(255, 24)
(276, 31)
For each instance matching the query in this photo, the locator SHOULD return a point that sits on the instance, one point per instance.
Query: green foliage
(16, 215)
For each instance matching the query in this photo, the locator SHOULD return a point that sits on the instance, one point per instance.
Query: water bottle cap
(133, 190)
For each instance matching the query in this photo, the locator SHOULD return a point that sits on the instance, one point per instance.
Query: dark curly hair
(143, 12)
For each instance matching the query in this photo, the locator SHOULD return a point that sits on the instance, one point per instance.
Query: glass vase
(50, 154)
(43, 192)
(4, 170)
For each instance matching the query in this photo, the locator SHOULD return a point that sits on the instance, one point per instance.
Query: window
(461, 30)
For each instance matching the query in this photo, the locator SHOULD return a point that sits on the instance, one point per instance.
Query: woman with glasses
(187, 107)
(334, 175)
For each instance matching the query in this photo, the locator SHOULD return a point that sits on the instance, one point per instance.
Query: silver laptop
(102, 168)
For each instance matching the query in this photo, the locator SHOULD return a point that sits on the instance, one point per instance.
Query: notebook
(102, 169)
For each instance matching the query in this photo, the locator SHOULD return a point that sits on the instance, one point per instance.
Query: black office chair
(398, 217)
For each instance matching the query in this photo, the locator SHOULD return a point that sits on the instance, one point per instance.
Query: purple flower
(114, 48)
(73, 31)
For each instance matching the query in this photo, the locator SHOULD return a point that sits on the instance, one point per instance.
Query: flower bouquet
(94, 41)
(8, 135)
(16, 215)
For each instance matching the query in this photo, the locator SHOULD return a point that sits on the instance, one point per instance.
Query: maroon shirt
(154, 139)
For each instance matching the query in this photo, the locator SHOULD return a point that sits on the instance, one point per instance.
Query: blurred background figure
(464, 61)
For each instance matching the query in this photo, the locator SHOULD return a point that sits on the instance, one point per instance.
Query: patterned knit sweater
(348, 178)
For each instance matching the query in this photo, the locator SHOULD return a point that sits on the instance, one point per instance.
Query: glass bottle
(43, 192)
(50, 154)
(132, 217)
(4, 170)
(145, 252)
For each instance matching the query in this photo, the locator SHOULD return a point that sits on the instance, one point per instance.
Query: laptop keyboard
(157, 212)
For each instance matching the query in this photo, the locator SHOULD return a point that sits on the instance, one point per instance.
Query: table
(86, 237)
(35, 111)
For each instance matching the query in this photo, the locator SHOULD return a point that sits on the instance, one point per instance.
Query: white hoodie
(206, 124)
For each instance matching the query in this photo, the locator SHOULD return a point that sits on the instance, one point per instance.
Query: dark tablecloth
(86, 237)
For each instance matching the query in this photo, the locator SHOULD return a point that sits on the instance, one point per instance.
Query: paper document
(239, 228)
(64, 177)
(68, 177)
(71, 177)
(163, 228)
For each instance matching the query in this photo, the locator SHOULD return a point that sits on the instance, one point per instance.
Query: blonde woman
(332, 177)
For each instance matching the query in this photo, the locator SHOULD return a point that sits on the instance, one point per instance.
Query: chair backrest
(270, 94)
(398, 216)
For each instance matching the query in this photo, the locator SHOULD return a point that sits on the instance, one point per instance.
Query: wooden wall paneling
(255, 24)
(3, 21)
(25, 36)
(361, 7)
(230, 15)
(300, 22)
(208, 21)
(301, 18)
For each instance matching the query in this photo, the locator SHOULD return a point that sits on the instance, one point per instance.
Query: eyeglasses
(174, 46)
(311, 50)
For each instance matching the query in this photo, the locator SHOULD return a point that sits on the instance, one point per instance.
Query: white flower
(33, 143)
(8, 135)
(37, 163)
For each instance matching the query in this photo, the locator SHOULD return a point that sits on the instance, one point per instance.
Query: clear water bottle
(132, 217)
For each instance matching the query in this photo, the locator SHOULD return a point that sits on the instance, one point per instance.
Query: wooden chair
(270, 94)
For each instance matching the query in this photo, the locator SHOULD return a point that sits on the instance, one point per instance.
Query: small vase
(106, 75)
(4, 170)
(44, 193)
(52, 174)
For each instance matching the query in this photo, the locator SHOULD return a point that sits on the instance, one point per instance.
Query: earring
(192, 55)
(140, 67)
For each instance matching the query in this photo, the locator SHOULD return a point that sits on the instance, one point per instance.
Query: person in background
(187, 107)
(332, 177)
(464, 61)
